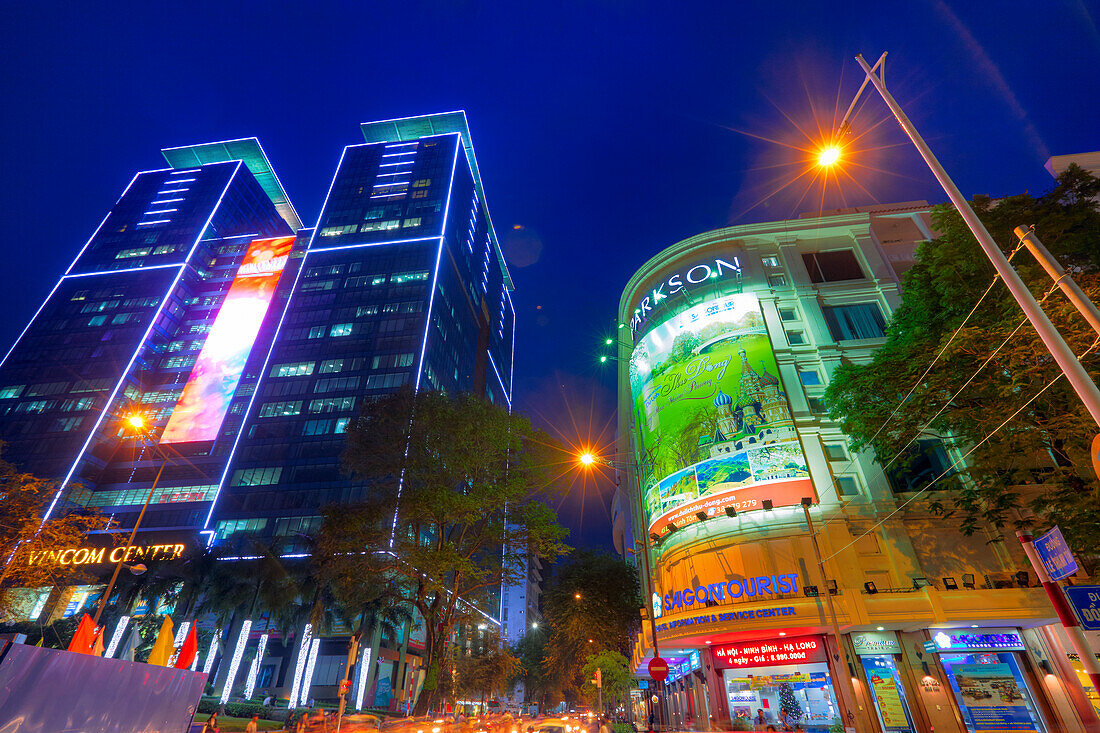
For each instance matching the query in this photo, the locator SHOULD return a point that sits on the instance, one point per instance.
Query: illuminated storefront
(787, 678)
(727, 341)
(984, 672)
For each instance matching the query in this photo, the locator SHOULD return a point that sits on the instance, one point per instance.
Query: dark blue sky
(608, 130)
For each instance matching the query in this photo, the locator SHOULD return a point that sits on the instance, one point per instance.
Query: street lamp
(587, 459)
(828, 156)
(137, 422)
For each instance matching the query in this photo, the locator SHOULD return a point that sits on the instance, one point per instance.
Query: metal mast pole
(1067, 360)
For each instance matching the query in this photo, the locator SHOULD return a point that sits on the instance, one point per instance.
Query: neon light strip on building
(205, 399)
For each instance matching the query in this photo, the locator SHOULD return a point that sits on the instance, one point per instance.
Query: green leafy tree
(24, 539)
(531, 652)
(603, 617)
(615, 671)
(1039, 457)
(467, 486)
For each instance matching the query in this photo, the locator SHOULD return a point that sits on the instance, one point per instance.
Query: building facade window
(856, 321)
(836, 266)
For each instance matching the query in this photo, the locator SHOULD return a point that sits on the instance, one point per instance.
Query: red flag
(189, 649)
(84, 637)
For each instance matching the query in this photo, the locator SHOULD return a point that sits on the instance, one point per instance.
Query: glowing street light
(577, 596)
(828, 156)
(137, 422)
(587, 458)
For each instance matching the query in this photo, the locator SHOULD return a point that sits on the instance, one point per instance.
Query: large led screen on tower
(205, 399)
(714, 428)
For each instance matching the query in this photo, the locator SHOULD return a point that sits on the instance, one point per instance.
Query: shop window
(857, 321)
(991, 692)
(888, 692)
(835, 266)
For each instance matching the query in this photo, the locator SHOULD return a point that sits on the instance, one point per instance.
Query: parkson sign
(98, 555)
(697, 274)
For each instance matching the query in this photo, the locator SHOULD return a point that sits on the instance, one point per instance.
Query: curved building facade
(727, 341)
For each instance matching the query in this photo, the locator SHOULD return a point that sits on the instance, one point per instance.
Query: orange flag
(84, 637)
(97, 646)
(189, 649)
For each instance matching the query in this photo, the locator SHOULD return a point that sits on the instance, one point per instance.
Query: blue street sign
(1085, 600)
(1055, 555)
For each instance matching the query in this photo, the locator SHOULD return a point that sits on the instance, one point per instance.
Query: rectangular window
(810, 378)
(257, 476)
(817, 405)
(316, 427)
(341, 329)
(856, 321)
(65, 424)
(281, 409)
(392, 361)
(847, 485)
(332, 366)
(336, 384)
(831, 267)
(408, 277)
(788, 314)
(777, 281)
(836, 452)
(796, 338)
(366, 310)
(770, 261)
(332, 404)
(915, 469)
(387, 381)
(298, 369)
(316, 332)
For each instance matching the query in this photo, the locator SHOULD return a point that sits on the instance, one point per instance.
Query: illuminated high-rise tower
(249, 343)
(124, 327)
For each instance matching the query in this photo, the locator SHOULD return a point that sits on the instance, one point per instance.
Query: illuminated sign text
(100, 555)
(694, 275)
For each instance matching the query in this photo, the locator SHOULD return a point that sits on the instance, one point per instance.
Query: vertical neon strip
(181, 634)
(209, 663)
(141, 345)
(238, 652)
(204, 403)
(116, 637)
(300, 665)
(253, 671)
(435, 271)
(361, 679)
(308, 681)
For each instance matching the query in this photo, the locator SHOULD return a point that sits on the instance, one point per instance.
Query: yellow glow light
(137, 422)
(587, 458)
(828, 156)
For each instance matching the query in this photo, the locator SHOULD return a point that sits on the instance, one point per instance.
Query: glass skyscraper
(249, 342)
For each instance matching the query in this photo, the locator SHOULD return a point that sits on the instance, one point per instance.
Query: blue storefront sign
(382, 693)
(1055, 555)
(1085, 600)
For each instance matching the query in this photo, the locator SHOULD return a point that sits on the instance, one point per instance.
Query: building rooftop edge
(249, 151)
(440, 123)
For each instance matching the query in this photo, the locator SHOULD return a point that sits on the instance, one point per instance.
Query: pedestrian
(250, 727)
(759, 720)
(268, 700)
(211, 724)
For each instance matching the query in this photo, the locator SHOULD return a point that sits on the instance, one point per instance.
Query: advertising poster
(992, 697)
(714, 426)
(890, 706)
(205, 399)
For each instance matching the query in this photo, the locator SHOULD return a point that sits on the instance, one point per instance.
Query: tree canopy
(23, 536)
(604, 616)
(1036, 457)
(459, 493)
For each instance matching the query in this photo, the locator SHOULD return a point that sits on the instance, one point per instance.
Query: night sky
(606, 130)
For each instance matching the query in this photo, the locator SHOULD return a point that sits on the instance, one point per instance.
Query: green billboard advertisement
(714, 428)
